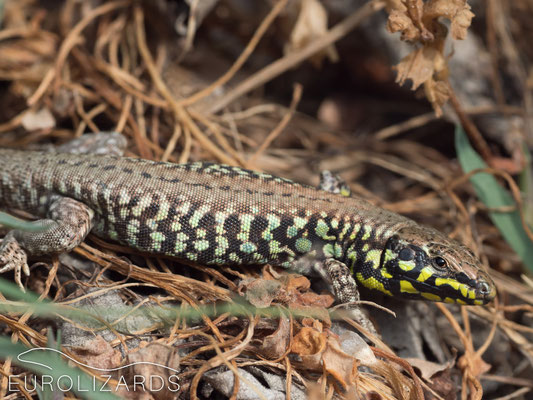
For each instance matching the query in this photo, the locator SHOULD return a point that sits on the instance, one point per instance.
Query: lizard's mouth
(449, 290)
(485, 288)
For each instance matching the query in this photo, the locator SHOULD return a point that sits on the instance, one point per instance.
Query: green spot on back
(292, 231)
(234, 257)
(337, 251)
(299, 222)
(201, 233)
(328, 250)
(322, 230)
(368, 230)
(201, 245)
(267, 235)
(222, 246)
(274, 248)
(248, 247)
(273, 221)
(303, 245)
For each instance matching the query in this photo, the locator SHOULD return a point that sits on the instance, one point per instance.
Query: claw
(14, 258)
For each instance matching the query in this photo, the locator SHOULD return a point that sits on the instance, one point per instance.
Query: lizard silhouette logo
(109, 379)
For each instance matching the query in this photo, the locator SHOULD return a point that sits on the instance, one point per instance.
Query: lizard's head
(421, 262)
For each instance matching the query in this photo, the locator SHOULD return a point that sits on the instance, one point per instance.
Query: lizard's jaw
(485, 288)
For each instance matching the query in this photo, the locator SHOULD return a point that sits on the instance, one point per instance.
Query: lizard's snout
(485, 288)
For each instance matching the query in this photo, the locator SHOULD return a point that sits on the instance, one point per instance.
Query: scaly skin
(217, 215)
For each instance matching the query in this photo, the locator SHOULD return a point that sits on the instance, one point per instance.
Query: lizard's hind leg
(68, 222)
(333, 183)
(109, 143)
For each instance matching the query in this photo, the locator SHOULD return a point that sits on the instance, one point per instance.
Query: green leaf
(9, 221)
(493, 195)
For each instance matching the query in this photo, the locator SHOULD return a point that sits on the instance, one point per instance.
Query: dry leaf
(417, 66)
(437, 93)
(97, 353)
(428, 368)
(311, 24)
(322, 351)
(152, 364)
(419, 21)
(275, 345)
(461, 22)
(340, 365)
(308, 341)
(315, 300)
(259, 292)
(407, 17)
(457, 11)
(294, 282)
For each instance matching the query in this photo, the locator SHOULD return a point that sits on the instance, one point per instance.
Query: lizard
(217, 214)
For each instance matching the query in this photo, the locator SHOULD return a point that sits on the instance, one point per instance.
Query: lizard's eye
(440, 262)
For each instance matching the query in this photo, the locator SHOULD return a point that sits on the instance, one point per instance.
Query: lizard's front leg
(338, 277)
(341, 281)
(68, 222)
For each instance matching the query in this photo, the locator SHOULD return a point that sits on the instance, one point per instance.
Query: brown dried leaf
(399, 21)
(419, 21)
(308, 341)
(457, 11)
(338, 364)
(418, 66)
(98, 353)
(259, 292)
(415, 10)
(275, 345)
(311, 24)
(315, 300)
(164, 382)
(294, 282)
(428, 369)
(320, 351)
(438, 93)
(313, 323)
(461, 22)
(407, 17)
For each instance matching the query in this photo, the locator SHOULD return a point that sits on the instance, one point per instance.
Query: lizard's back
(201, 211)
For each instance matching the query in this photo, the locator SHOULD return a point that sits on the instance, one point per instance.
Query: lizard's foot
(333, 183)
(67, 224)
(110, 143)
(13, 258)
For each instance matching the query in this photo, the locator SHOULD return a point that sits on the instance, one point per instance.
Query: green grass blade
(9, 221)
(493, 195)
(526, 186)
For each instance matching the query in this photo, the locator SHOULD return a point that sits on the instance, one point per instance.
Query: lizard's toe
(13, 258)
